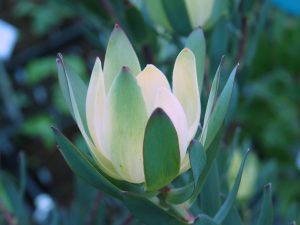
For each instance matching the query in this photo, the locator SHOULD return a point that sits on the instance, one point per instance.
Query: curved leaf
(220, 110)
(161, 151)
(227, 205)
(266, 211)
(84, 167)
(176, 9)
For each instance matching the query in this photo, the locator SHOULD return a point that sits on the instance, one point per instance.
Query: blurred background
(36, 185)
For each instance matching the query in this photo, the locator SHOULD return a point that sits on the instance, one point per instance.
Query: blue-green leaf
(211, 102)
(179, 195)
(266, 211)
(84, 166)
(227, 205)
(210, 199)
(197, 159)
(219, 112)
(161, 151)
(148, 212)
(74, 91)
(176, 9)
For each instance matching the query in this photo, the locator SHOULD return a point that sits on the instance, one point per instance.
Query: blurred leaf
(266, 211)
(39, 69)
(228, 203)
(38, 126)
(174, 10)
(161, 151)
(84, 166)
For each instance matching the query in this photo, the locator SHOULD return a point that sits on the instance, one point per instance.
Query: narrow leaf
(161, 151)
(211, 102)
(197, 159)
(218, 115)
(83, 166)
(196, 43)
(211, 154)
(176, 9)
(210, 200)
(266, 211)
(148, 212)
(227, 205)
(74, 91)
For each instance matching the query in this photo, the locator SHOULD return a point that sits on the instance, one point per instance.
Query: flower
(121, 98)
(192, 14)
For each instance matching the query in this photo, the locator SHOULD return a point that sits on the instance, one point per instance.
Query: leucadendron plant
(142, 133)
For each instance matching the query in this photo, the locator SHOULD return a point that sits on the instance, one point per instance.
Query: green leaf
(148, 212)
(179, 195)
(197, 159)
(176, 9)
(266, 211)
(119, 53)
(218, 115)
(211, 102)
(211, 154)
(233, 217)
(210, 199)
(161, 151)
(74, 91)
(227, 205)
(196, 43)
(84, 166)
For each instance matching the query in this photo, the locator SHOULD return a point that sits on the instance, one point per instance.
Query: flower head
(121, 99)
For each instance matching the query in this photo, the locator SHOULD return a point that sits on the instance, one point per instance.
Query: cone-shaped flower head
(120, 101)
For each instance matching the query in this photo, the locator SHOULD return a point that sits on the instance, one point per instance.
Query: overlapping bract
(121, 98)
